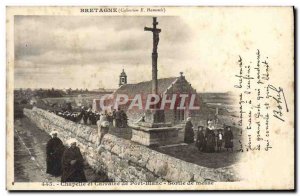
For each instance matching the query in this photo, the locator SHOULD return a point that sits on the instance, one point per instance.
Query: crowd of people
(66, 162)
(117, 118)
(209, 139)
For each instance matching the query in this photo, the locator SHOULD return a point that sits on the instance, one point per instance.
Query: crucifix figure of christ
(155, 31)
(158, 115)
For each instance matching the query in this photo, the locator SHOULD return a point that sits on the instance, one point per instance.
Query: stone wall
(123, 160)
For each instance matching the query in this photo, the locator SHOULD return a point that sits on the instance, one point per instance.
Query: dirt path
(30, 155)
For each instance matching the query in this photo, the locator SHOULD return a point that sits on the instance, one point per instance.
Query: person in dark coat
(205, 140)
(210, 140)
(219, 140)
(110, 118)
(88, 116)
(118, 118)
(72, 164)
(228, 138)
(82, 116)
(124, 119)
(188, 131)
(92, 118)
(210, 137)
(200, 139)
(54, 151)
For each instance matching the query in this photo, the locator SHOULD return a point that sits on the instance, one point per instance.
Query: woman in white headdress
(188, 131)
(210, 137)
(54, 152)
(72, 163)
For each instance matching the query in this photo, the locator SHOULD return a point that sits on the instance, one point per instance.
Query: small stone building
(168, 86)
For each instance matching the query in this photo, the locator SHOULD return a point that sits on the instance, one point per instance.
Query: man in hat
(188, 131)
(72, 164)
(54, 151)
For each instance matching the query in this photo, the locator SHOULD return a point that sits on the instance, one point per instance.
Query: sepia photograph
(150, 98)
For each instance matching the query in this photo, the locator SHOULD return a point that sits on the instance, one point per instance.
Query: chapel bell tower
(123, 78)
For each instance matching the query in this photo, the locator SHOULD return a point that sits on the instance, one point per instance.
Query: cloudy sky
(91, 51)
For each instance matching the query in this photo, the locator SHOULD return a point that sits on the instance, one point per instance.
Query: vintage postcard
(150, 98)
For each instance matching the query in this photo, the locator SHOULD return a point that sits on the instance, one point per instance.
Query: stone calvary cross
(158, 115)
(155, 32)
(154, 131)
